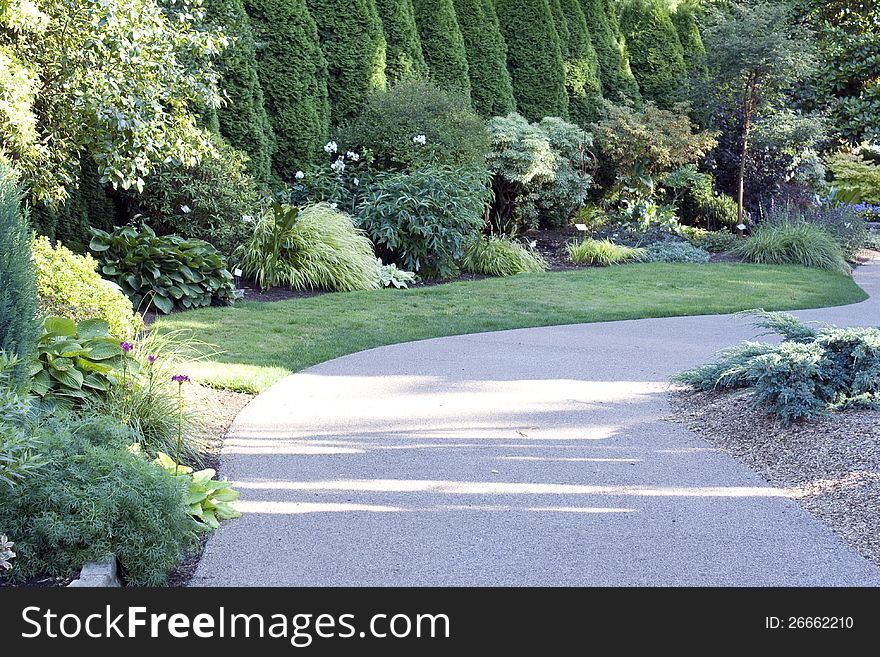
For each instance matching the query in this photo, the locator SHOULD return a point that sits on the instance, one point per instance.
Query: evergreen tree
(491, 89)
(654, 49)
(443, 44)
(581, 66)
(293, 75)
(242, 120)
(618, 83)
(403, 58)
(561, 25)
(354, 45)
(18, 297)
(534, 58)
(691, 42)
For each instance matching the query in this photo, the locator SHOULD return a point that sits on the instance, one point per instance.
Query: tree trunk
(749, 108)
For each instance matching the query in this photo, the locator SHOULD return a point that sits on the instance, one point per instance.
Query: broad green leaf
(102, 348)
(71, 378)
(92, 328)
(61, 364)
(60, 326)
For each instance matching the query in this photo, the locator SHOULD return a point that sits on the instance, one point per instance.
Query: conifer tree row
(403, 57)
(618, 83)
(443, 44)
(581, 66)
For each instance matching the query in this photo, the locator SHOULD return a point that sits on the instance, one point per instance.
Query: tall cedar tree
(403, 57)
(242, 120)
(293, 76)
(354, 45)
(443, 44)
(655, 52)
(491, 88)
(561, 26)
(581, 66)
(18, 297)
(534, 58)
(618, 83)
(692, 46)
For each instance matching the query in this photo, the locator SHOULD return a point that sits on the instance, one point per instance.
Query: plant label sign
(581, 227)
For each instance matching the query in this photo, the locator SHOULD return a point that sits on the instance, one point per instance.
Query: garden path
(526, 457)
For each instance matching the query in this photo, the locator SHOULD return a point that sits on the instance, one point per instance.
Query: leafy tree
(655, 52)
(403, 58)
(354, 45)
(119, 81)
(618, 83)
(293, 77)
(491, 88)
(694, 51)
(581, 66)
(443, 44)
(534, 58)
(846, 80)
(755, 54)
(242, 119)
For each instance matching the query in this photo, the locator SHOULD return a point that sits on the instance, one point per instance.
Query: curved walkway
(524, 457)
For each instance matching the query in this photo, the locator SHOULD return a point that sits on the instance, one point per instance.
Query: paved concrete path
(524, 457)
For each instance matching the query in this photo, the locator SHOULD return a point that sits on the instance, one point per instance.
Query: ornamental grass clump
(603, 252)
(811, 372)
(501, 256)
(802, 244)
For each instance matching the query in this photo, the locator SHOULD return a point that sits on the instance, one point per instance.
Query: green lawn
(261, 342)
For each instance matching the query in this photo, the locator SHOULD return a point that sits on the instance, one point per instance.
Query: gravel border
(830, 466)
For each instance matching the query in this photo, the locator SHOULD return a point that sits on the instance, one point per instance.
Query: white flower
(420, 139)
(331, 147)
(333, 206)
(185, 209)
(339, 165)
(351, 155)
(299, 175)
(356, 182)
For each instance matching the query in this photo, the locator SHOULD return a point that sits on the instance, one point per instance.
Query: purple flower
(126, 346)
(180, 378)
(152, 359)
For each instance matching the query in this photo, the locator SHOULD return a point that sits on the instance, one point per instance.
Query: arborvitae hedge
(242, 121)
(534, 58)
(655, 52)
(18, 296)
(354, 45)
(561, 25)
(491, 89)
(293, 76)
(618, 83)
(443, 44)
(403, 57)
(581, 67)
(691, 42)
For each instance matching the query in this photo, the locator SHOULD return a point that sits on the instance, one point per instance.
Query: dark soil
(40, 582)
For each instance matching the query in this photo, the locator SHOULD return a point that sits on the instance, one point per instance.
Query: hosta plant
(391, 276)
(207, 499)
(77, 362)
(164, 271)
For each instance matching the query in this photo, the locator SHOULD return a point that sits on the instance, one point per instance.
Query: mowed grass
(259, 343)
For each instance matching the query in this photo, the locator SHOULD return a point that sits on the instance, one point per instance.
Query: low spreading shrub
(93, 498)
(423, 219)
(603, 253)
(68, 286)
(676, 252)
(391, 120)
(811, 372)
(792, 244)
(163, 271)
(311, 248)
(501, 256)
(720, 241)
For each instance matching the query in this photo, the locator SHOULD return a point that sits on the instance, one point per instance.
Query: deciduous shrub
(676, 252)
(443, 45)
(313, 248)
(403, 56)
(354, 45)
(810, 373)
(501, 256)
(693, 194)
(423, 219)
(207, 201)
(539, 172)
(534, 58)
(163, 271)
(18, 299)
(793, 244)
(491, 88)
(390, 121)
(855, 179)
(68, 286)
(603, 253)
(92, 499)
